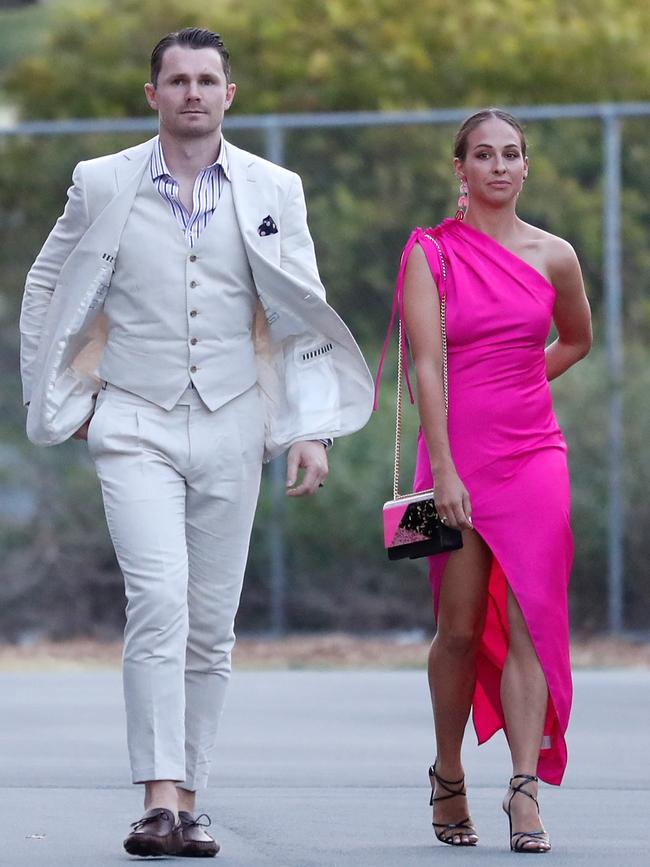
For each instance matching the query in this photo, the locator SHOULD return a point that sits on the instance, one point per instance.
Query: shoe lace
(197, 823)
(146, 820)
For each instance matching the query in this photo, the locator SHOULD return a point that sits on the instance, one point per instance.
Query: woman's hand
(452, 500)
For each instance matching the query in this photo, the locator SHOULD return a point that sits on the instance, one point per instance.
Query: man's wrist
(328, 442)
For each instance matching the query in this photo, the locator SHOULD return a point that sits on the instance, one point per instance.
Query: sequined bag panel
(413, 529)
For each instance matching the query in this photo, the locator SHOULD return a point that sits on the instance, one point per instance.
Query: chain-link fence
(369, 177)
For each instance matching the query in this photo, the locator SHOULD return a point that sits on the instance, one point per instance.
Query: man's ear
(150, 95)
(230, 94)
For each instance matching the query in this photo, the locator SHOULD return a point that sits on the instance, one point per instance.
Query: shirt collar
(159, 166)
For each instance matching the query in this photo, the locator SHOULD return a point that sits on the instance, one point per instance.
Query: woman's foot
(452, 822)
(520, 804)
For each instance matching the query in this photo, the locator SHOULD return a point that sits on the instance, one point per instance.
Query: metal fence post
(274, 147)
(612, 265)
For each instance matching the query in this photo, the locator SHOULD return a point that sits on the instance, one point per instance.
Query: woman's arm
(571, 313)
(422, 321)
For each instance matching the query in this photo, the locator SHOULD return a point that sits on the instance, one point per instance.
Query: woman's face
(494, 167)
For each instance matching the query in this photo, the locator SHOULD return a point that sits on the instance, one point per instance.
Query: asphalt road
(314, 769)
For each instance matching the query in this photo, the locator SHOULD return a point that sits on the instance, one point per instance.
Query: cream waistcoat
(176, 314)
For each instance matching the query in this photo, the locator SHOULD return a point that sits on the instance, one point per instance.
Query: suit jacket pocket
(312, 385)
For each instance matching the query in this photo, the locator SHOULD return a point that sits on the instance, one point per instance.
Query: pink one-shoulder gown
(509, 451)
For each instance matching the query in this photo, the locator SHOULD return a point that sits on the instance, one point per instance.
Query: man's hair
(189, 37)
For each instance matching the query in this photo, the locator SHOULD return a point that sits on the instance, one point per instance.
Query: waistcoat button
(194, 341)
(193, 258)
(193, 368)
(193, 312)
(193, 284)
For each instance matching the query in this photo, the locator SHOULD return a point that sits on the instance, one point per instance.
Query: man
(176, 319)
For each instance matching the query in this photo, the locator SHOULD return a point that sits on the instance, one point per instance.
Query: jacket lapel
(244, 188)
(253, 200)
(104, 233)
(131, 161)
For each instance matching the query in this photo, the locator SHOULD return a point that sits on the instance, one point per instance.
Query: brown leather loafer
(197, 843)
(156, 833)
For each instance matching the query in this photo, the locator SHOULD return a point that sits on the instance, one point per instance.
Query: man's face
(192, 93)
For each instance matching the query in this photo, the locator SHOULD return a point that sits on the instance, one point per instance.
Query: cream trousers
(180, 489)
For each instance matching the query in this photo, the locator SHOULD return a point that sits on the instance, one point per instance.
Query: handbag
(412, 527)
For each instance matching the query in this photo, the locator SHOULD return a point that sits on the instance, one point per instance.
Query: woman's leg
(452, 665)
(524, 696)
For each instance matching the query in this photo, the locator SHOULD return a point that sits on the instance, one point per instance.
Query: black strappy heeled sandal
(460, 829)
(520, 839)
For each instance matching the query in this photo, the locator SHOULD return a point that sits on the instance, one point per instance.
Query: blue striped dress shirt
(205, 197)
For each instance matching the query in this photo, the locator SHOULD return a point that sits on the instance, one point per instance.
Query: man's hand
(82, 433)
(312, 457)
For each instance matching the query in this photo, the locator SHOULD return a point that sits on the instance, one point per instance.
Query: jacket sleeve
(298, 257)
(43, 275)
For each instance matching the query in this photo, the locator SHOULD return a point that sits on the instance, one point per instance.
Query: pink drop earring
(463, 201)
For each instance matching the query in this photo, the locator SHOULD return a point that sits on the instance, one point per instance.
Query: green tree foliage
(317, 55)
(366, 188)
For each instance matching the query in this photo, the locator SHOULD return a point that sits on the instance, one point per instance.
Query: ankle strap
(434, 773)
(446, 785)
(519, 787)
(527, 777)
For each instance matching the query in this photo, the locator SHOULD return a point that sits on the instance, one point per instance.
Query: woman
(500, 471)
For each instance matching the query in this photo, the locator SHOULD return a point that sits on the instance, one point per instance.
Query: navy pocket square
(267, 227)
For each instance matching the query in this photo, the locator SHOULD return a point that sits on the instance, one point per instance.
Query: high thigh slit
(510, 454)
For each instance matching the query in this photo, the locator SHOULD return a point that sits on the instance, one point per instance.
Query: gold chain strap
(398, 409)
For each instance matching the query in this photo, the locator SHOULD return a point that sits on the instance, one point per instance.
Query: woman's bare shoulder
(417, 273)
(559, 257)
(416, 262)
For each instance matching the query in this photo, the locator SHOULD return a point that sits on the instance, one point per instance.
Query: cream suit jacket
(312, 377)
